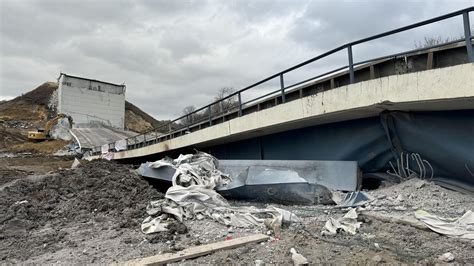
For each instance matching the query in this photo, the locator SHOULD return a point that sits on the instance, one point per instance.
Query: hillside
(29, 108)
(33, 109)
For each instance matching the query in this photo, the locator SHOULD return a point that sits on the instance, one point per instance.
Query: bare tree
(432, 41)
(225, 104)
(188, 112)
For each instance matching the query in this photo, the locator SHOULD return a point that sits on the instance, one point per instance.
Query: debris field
(56, 209)
(92, 214)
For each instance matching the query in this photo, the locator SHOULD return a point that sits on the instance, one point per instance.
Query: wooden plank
(386, 218)
(197, 251)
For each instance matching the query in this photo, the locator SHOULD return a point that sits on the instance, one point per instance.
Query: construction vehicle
(42, 134)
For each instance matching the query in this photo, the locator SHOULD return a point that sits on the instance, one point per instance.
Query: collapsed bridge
(374, 112)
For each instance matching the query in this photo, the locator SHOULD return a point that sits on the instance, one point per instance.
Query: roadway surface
(92, 137)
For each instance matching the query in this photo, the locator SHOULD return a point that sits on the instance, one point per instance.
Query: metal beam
(282, 87)
(351, 64)
(467, 36)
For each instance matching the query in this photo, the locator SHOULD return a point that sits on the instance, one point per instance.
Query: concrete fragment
(378, 259)
(400, 198)
(21, 202)
(420, 184)
(75, 164)
(297, 258)
(447, 257)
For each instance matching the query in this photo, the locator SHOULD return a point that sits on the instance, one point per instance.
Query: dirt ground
(15, 166)
(92, 215)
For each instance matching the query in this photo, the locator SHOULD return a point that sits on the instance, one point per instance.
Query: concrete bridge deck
(449, 88)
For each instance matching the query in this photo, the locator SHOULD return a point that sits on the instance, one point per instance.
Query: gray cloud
(175, 53)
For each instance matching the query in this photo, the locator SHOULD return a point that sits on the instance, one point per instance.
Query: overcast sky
(171, 54)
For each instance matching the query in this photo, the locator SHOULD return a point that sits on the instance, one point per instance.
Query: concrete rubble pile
(198, 187)
(72, 210)
(193, 196)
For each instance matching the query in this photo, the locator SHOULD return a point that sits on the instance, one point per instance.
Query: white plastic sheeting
(75, 164)
(120, 145)
(104, 148)
(347, 223)
(107, 156)
(462, 227)
(192, 196)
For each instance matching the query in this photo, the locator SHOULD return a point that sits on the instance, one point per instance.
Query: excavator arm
(43, 134)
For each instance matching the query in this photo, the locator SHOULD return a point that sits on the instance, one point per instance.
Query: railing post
(240, 104)
(467, 37)
(169, 131)
(282, 86)
(351, 64)
(210, 115)
(221, 105)
(189, 118)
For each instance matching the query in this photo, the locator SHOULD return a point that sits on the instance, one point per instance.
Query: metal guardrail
(154, 136)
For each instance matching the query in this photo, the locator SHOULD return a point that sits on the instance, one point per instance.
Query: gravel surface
(414, 194)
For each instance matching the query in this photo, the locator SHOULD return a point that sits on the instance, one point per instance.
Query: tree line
(223, 105)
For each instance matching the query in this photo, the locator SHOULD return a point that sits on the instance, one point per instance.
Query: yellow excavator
(43, 133)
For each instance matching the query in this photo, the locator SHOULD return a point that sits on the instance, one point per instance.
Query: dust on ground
(92, 215)
(44, 147)
(10, 136)
(376, 242)
(80, 212)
